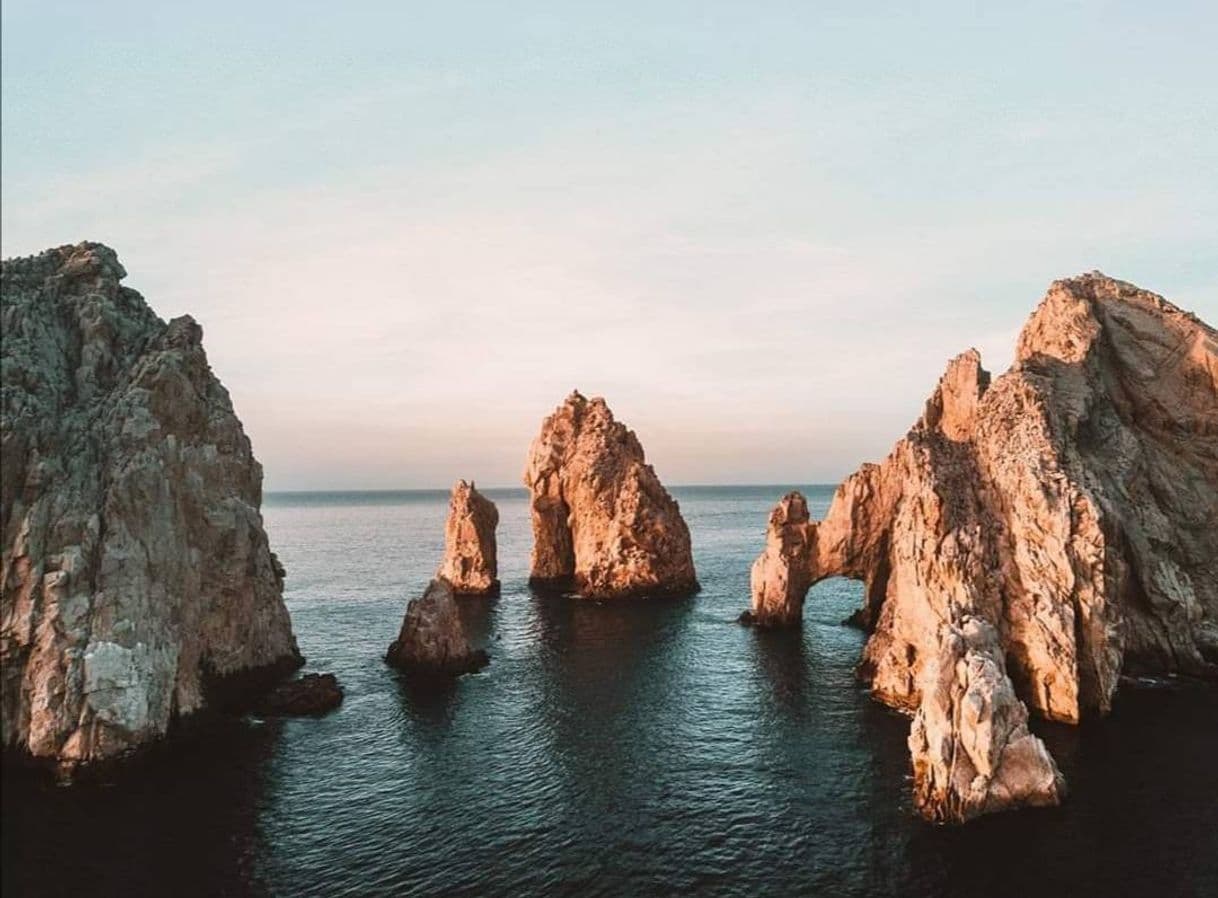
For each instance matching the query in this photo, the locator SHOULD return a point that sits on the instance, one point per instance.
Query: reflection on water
(781, 657)
(185, 821)
(608, 749)
(478, 615)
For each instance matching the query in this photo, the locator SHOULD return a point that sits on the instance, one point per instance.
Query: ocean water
(608, 749)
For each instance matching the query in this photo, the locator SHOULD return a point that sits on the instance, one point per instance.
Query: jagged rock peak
(952, 408)
(138, 584)
(1070, 505)
(603, 524)
(470, 563)
(432, 640)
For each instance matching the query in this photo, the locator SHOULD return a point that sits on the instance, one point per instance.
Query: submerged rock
(310, 695)
(433, 639)
(1029, 540)
(469, 561)
(137, 581)
(603, 524)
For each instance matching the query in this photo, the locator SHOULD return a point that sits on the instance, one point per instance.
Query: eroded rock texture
(432, 639)
(137, 579)
(1029, 540)
(603, 524)
(781, 574)
(469, 561)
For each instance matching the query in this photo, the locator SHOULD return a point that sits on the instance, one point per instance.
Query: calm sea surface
(631, 749)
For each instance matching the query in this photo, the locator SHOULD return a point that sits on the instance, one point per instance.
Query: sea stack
(432, 640)
(603, 524)
(1031, 539)
(138, 584)
(469, 564)
(780, 575)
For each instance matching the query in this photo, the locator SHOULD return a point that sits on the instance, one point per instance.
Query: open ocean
(609, 749)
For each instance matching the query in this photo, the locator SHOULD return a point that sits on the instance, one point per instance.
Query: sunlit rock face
(470, 564)
(138, 585)
(780, 576)
(1030, 539)
(603, 524)
(432, 640)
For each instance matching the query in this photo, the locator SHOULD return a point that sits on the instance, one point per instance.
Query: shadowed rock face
(310, 696)
(1029, 539)
(469, 561)
(432, 640)
(603, 524)
(138, 584)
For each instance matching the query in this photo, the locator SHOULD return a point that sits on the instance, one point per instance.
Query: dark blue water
(630, 749)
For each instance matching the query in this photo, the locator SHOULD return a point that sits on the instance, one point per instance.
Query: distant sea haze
(638, 748)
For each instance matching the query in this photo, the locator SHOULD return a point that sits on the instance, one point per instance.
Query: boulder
(309, 696)
(433, 640)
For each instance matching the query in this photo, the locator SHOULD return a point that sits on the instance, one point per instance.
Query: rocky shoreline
(1034, 539)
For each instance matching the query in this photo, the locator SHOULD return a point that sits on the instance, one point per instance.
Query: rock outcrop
(137, 581)
(309, 696)
(781, 575)
(433, 640)
(469, 564)
(1029, 540)
(603, 524)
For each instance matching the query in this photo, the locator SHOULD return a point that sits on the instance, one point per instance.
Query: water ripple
(609, 749)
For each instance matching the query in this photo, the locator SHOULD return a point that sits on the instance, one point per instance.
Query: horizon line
(523, 489)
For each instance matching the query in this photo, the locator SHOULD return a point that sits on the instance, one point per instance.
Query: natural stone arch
(1058, 520)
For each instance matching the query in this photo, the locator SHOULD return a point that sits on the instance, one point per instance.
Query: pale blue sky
(760, 230)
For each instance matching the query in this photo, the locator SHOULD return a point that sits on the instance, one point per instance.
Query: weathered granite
(432, 640)
(470, 563)
(1030, 539)
(137, 579)
(603, 524)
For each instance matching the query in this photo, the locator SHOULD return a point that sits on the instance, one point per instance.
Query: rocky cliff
(1029, 540)
(138, 585)
(470, 563)
(603, 524)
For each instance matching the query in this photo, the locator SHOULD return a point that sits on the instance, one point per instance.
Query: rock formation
(1029, 540)
(603, 524)
(309, 696)
(781, 575)
(432, 639)
(138, 585)
(469, 543)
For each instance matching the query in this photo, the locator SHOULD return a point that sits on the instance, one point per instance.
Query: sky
(759, 230)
